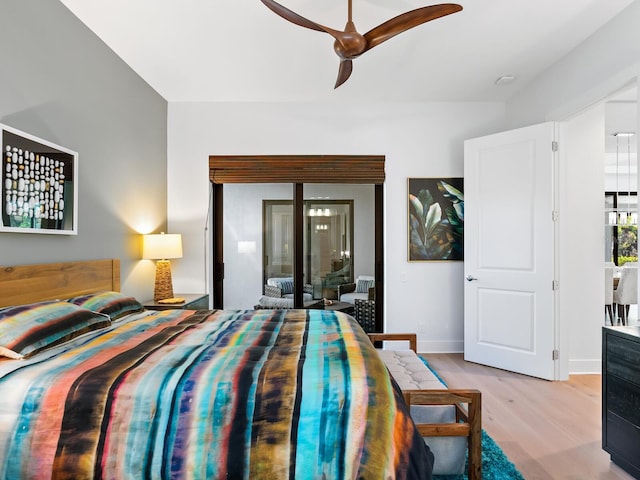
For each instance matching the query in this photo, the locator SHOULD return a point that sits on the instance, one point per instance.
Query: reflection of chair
(363, 288)
(365, 314)
(608, 293)
(627, 292)
(283, 288)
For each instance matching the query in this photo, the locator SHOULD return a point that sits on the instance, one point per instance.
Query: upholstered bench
(448, 419)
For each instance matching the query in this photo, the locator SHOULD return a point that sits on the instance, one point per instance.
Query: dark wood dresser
(621, 396)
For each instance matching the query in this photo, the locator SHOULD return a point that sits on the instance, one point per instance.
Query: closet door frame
(297, 170)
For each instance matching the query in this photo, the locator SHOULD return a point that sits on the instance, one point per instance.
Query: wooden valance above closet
(297, 169)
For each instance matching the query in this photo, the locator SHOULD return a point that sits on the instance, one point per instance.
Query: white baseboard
(582, 367)
(440, 347)
(576, 367)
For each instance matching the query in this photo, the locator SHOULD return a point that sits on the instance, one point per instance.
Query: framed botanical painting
(436, 219)
(39, 185)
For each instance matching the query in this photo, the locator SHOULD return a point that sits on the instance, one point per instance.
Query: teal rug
(495, 464)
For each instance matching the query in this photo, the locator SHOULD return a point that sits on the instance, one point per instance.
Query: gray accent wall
(61, 83)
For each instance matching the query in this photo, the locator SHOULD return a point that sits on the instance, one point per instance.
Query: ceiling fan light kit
(349, 44)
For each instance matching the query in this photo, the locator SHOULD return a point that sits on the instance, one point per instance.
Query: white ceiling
(238, 50)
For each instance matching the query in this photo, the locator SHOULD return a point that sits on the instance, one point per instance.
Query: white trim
(453, 346)
(585, 367)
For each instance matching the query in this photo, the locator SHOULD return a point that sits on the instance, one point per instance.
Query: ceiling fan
(350, 44)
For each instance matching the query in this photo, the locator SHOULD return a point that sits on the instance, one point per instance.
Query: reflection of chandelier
(620, 215)
(320, 212)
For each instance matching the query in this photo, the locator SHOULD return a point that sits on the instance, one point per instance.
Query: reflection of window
(328, 242)
(621, 229)
(278, 239)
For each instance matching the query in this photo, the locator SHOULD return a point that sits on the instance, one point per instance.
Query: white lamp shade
(161, 246)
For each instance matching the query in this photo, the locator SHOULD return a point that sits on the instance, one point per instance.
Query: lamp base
(164, 284)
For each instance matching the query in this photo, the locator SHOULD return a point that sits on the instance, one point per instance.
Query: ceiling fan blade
(408, 20)
(344, 72)
(293, 17)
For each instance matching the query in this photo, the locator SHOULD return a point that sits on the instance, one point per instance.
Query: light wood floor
(549, 430)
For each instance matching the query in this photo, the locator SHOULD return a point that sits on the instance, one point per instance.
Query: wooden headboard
(23, 284)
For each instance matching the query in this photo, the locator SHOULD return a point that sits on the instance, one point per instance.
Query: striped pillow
(28, 329)
(286, 285)
(363, 286)
(114, 304)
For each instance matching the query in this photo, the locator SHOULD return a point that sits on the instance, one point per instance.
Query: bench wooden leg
(469, 425)
(468, 420)
(409, 337)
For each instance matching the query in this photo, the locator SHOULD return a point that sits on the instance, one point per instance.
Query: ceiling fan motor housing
(350, 44)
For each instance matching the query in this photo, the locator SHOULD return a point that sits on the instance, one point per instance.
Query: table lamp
(162, 247)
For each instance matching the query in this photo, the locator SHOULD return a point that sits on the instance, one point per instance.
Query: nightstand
(192, 301)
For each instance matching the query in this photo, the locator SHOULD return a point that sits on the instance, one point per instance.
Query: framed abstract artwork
(39, 185)
(436, 219)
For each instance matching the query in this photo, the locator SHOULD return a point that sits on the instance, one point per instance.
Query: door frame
(307, 253)
(297, 170)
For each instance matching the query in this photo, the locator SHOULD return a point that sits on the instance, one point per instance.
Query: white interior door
(509, 246)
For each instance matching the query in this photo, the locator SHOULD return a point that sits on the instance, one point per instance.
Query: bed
(189, 394)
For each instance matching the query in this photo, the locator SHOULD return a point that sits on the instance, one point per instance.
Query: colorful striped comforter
(209, 394)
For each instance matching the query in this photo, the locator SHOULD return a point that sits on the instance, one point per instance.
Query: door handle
(470, 278)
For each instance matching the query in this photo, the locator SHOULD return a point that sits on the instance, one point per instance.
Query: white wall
(599, 67)
(581, 207)
(418, 140)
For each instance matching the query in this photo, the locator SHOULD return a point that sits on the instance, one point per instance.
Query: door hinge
(555, 215)
(554, 146)
(555, 285)
(555, 355)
